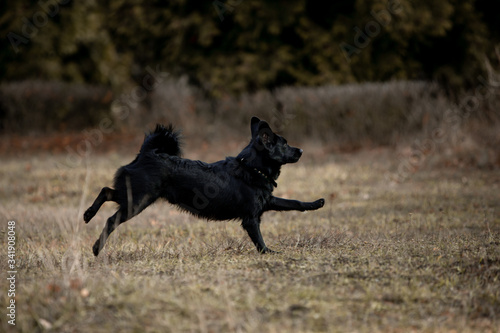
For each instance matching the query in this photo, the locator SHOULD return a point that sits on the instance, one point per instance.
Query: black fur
(235, 188)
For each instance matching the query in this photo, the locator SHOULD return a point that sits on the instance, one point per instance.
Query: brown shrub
(34, 106)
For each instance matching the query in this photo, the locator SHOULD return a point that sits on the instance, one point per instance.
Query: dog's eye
(285, 144)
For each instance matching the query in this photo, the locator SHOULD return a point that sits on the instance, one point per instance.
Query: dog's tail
(163, 140)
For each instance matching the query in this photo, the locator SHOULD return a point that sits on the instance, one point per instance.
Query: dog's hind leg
(106, 194)
(252, 226)
(122, 215)
(114, 221)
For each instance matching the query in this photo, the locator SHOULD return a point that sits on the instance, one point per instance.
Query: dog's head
(274, 145)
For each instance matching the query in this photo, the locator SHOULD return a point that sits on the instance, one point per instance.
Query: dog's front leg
(252, 226)
(281, 204)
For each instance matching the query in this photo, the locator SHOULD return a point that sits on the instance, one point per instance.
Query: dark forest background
(244, 45)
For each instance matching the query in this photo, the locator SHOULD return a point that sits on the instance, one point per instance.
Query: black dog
(235, 188)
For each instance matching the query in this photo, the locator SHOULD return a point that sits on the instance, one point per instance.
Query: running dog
(235, 188)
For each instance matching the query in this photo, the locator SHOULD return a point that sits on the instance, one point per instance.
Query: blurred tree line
(232, 46)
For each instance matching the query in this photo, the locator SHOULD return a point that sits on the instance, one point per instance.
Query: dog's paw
(268, 251)
(88, 215)
(95, 248)
(320, 202)
(314, 205)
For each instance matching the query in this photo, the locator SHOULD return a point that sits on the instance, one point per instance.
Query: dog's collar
(266, 177)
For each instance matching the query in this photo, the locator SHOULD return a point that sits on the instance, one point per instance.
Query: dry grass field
(421, 256)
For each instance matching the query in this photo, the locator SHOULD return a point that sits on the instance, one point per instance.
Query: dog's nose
(301, 151)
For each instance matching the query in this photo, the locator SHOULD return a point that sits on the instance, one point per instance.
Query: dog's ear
(265, 132)
(254, 126)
